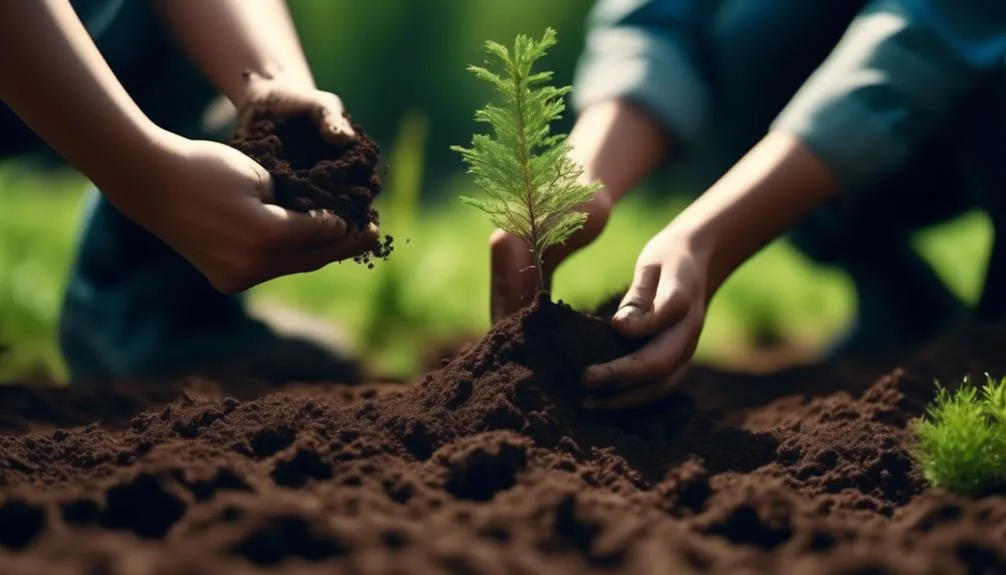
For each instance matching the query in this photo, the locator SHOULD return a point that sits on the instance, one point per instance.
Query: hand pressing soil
(488, 465)
(310, 173)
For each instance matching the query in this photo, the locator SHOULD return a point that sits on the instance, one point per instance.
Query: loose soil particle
(310, 173)
(488, 465)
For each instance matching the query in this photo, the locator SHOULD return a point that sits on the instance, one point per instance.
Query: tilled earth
(489, 466)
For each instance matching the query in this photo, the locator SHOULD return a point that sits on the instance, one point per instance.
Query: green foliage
(532, 184)
(400, 204)
(962, 438)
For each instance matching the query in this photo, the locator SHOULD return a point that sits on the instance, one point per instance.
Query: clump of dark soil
(310, 173)
(490, 465)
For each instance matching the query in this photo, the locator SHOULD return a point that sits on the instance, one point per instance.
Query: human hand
(211, 203)
(667, 301)
(514, 280)
(284, 97)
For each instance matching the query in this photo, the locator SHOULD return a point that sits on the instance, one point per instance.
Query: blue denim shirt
(894, 79)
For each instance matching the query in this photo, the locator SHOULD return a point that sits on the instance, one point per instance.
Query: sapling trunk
(532, 184)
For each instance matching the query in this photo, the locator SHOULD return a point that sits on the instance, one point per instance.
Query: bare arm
(55, 79)
(618, 143)
(229, 37)
(763, 195)
(681, 268)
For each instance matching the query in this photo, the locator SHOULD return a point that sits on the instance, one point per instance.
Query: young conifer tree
(533, 187)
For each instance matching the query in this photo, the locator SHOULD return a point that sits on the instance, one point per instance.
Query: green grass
(962, 438)
(436, 285)
(38, 220)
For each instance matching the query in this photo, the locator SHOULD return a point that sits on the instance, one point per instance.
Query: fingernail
(627, 314)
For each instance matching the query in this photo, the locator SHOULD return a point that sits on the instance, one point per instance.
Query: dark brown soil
(310, 173)
(489, 465)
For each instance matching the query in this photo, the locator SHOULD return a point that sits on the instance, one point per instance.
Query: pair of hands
(666, 301)
(213, 204)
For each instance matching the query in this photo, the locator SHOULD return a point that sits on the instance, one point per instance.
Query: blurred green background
(400, 68)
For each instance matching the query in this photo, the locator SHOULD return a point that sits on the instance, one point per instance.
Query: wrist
(139, 157)
(702, 248)
(709, 251)
(771, 188)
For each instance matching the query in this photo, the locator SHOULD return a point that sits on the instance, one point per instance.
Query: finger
(670, 306)
(331, 116)
(661, 356)
(641, 396)
(308, 260)
(512, 283)
(638, 301)
(321, 228)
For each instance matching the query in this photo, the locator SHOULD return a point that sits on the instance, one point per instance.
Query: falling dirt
(310, 173)
(489, 465)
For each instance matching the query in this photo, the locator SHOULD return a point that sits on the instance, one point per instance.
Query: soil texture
(310, 173)
(489, 465)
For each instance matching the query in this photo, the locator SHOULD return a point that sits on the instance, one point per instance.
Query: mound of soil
(489, 465)
(310, 173)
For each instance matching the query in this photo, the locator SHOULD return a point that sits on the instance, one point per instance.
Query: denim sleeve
(895, 78)
(644, 51)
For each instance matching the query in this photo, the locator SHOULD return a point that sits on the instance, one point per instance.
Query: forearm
(226, 38)
(618, 143)
(898, 78)
(767, 191)
(55, 79)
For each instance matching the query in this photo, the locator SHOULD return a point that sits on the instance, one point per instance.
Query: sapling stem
(532, 184)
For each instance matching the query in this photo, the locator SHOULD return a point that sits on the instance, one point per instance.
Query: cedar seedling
(962, 438)
(532, 184)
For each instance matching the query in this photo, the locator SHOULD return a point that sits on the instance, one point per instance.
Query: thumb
(637, 304)
(315, 229)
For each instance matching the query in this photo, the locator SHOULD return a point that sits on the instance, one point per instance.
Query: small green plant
(532, 184)
(962, 438)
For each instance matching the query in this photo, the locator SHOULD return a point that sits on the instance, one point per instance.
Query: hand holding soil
(212, 204)
(284, 98)
(666, 303)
